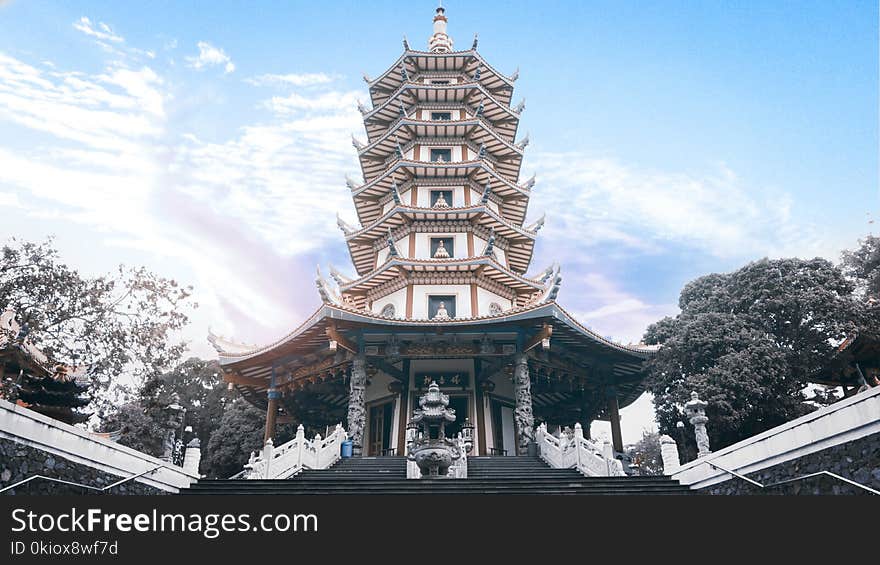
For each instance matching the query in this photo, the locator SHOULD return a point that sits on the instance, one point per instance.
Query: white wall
(397, 298)
(484, 298)
(30, 428)
(843, 421)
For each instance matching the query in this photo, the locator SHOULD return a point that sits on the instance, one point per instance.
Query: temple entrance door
(381, 416)
(459, 403)
(503, 432)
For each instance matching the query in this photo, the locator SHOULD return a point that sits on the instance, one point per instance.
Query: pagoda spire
(440, 42)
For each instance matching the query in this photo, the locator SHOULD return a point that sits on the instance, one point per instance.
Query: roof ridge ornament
(490, 245)
(405, 44)
(477, 73)
(538, 224)
(482, 153)
(392, 249)
(367, 78)
(402, 110)
(346, 228)
(328, 294)
(523, 143)
(395, 193)
(515, 75)
(403, 74)
(357, 144)
(520, 107)
(486, 192)
(398, 150)
(351, 183)
(529, 183)
(476, 40)
(362, 109)
(337, 276)
(480, 107)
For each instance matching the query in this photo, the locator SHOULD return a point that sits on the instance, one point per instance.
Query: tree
(120, 323)
(748, 342)
(645, 454)
(863, 266)
(137, 429)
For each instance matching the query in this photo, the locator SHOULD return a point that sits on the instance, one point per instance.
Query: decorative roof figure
(476, 40)
(490, 246)
(398, 150)
(520, 107)
(538, 224)
(477, 74)
(362, 109)
(524, 142)
(441, 252)
(441, 202)
(392, 249)
(403, 74)
(440, 42)
(395, 193)
(405, 44)
(350, 182)
(480, 108)
(529, 183)
(482, 153)
(345, 227)
(486, 192)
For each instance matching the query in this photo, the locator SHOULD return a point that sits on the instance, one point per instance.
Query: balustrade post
(669, 454)
(578, 439)
(300, 444)
(268, 450)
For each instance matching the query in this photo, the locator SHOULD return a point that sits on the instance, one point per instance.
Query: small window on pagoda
(441, 307)
(442, 247)
(441, 116)
(388, 311)
(439, 82)
(441, 155)
(441, 198)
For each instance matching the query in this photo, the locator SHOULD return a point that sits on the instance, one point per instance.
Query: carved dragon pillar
(357, 410)
(523, 416)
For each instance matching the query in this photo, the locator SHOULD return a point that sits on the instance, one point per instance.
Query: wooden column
(614, 416)
(271, 415)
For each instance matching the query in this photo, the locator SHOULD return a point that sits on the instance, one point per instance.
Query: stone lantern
(432, 451)
(696, 412)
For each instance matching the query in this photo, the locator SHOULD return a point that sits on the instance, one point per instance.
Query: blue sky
(210, 141)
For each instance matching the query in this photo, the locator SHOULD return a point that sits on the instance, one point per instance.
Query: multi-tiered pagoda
(440, 289)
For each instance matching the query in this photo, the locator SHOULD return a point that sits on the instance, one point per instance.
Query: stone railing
(577, 452)
(34, 444)
(287, 460)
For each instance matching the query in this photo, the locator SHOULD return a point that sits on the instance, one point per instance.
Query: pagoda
(440, 290)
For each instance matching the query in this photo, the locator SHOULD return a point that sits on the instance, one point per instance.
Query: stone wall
(34, 444)
(19, 461)
(857, 460)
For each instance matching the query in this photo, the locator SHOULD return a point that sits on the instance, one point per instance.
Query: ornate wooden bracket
(339, 340)
(541, 338)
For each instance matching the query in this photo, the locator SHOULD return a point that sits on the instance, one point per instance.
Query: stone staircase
(486, 475)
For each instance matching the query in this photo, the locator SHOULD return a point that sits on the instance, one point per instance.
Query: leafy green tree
(645, 454)
(748, 342)
(138, 428)
(863, 266)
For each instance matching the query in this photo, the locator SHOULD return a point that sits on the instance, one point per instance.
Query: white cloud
(210, 56)
(600, 200)
(102, 163)
(101, 32)
(292, 79)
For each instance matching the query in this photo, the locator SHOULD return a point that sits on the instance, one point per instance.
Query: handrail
(62, 481)
(795, 479)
